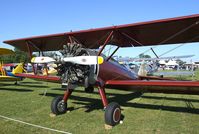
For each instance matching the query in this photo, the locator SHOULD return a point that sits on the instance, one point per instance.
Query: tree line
(17, 57)
(21, 56)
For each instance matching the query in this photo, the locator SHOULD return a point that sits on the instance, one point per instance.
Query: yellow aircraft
(10, 76)
(4, 51)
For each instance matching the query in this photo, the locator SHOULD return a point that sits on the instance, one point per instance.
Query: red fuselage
(112, 70)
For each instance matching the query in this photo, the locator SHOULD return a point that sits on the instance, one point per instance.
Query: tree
(180, 62)
(19, 56)
(144, 56)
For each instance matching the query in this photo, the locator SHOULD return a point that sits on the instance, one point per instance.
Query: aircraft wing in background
(127, 59)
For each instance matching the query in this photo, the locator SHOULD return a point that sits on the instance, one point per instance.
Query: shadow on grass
(17, 90)
(6, 84)
(170, 98)
(166, 108)
(24, 85)
(25, 82)
(123, 99)
(94, 104)
(82, 91)
(58, 89)
(33, 86)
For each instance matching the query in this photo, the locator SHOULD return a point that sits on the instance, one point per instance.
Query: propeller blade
(84, 60)
(42, 60)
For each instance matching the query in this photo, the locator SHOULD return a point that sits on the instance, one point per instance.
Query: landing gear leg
(59, 103)
(67, 94)
(103, 96)
(112, 110)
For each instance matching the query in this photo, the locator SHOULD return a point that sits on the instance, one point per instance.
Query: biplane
(75, 68)
(9, 76)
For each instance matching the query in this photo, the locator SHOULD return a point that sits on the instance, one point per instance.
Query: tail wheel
(112, 114)
(58, 106)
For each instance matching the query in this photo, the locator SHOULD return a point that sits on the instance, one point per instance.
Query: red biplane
(84, 43)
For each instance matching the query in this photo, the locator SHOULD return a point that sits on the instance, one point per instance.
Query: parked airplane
(10, 76)
(148, 66)
(82, 65)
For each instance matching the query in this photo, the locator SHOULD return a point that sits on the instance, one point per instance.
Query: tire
(89, 89)
(58, 106)
(112, 114)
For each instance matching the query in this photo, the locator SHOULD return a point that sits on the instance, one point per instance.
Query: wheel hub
(61, 106)
(116, 115)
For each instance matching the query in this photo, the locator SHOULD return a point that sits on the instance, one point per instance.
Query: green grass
(143, 113)
(184, 77)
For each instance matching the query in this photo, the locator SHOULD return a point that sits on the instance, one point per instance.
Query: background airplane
(4, 51)
(10, 76)
(147, 65)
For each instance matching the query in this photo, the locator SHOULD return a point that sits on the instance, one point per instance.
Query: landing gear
(112, 114)
(89, 89)
(58, 106)
(59, 103)
(112, 110)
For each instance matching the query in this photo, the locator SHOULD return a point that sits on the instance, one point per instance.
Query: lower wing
(41, 77)
(164, 86)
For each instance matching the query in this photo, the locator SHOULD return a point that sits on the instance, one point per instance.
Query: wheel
(89, 89)
(112, 114)
(58, 106)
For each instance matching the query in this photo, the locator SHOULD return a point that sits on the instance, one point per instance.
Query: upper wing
(166, 31)
(4, 51)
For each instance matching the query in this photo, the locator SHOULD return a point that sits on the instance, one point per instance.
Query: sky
(25, 18)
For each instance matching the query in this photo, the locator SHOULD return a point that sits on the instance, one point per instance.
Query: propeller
(42, 60)
(82, 60)
(77, 65)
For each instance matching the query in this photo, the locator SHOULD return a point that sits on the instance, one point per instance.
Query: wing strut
(106, 41)
(154, 52)
(30, 55)
(132, 39)
(112, 54)
(179, 32)
(32, 44)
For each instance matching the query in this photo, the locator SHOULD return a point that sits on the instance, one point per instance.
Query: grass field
(143, 113)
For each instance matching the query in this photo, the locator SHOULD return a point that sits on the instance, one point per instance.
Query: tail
(142, 70)
(2, 71)
(18, 69)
